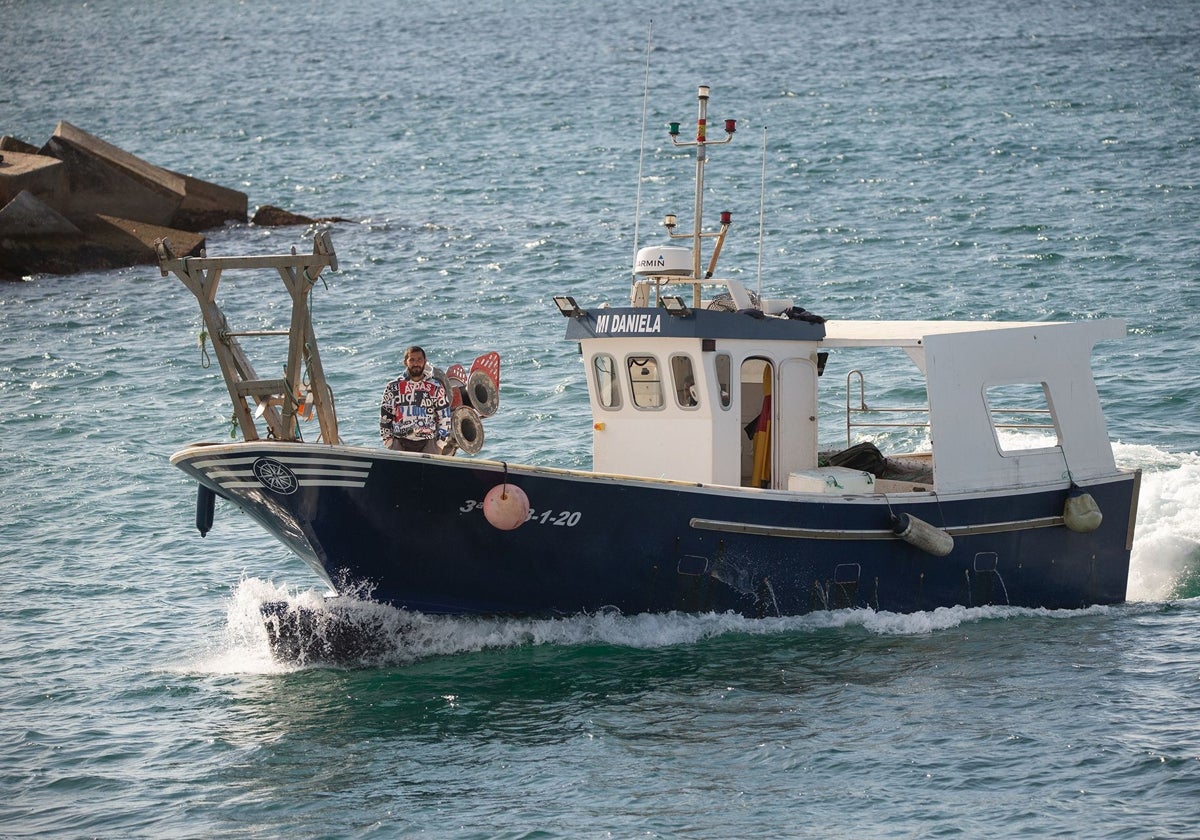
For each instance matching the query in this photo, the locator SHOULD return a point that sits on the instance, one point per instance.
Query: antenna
(762, 195)
(637, 209)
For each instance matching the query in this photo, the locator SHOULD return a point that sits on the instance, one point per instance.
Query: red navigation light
(726, 217)
(730, 126)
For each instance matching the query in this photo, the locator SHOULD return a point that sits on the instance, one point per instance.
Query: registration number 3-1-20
(562, 518)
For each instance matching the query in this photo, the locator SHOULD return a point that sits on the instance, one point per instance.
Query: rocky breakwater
(79, 203)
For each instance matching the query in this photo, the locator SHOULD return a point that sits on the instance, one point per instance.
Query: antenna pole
(701, 157)
(762, 194)
(637, 209)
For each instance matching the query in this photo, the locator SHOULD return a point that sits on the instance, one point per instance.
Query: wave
(399, 637)
(1165, 562)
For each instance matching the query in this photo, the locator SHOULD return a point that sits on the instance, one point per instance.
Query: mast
(701, 143)
(701, 158)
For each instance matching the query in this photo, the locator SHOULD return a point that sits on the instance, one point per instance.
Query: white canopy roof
(913, 333)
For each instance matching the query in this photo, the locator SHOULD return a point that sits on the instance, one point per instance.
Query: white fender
(1081, 513)
(922, 535)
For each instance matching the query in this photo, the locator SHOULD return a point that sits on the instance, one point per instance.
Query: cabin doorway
(756, 383)
(778, 420)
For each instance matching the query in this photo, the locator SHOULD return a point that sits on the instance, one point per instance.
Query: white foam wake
(411, 637)
(1166, 545)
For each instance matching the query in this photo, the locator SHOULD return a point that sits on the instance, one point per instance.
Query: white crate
(836, 480)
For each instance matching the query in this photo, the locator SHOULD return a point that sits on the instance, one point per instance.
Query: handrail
(863, 408)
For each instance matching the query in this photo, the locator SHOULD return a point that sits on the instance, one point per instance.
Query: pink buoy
(506, 506)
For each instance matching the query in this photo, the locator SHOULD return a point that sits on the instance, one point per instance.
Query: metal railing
(863, 408)
(853, 411)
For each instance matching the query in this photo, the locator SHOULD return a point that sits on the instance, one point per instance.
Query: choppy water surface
(984, 160)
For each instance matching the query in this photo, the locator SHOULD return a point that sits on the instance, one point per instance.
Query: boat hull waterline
(410, 530)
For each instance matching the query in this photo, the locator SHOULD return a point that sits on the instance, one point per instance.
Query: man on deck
(414, 415)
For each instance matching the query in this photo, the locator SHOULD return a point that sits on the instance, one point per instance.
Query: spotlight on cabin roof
(568, 307)
(675, 306)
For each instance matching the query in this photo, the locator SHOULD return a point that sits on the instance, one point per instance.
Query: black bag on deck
(862, 456)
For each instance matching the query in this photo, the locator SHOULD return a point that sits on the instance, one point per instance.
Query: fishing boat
(709, 487)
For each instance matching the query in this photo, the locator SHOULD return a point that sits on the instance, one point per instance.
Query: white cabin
(676, 396)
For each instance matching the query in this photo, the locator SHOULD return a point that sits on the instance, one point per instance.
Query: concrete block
(164, 197)
(43, 177)
(206, 205)
(95, 185)
(13, 144)
(131, 242)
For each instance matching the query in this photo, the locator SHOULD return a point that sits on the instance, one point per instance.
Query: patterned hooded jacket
(419, 410)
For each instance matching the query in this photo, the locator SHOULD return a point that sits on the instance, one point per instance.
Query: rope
(205, 362)
(312, 281)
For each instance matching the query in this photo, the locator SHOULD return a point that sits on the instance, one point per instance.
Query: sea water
(918, 160)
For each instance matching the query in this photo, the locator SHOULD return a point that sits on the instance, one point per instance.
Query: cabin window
(608, 392)
(1021, 417)
(723, 378)
(683, 378)
(645, 381)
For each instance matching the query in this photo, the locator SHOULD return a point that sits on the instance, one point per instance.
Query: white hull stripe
(236, 483)
(294, 462)
(239, 473)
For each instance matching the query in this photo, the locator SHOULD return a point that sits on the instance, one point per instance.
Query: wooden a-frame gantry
(277, 402)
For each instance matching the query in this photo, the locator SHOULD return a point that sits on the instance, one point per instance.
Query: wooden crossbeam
(275, 401)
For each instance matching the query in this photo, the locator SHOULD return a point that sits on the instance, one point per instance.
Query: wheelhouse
(716, 397)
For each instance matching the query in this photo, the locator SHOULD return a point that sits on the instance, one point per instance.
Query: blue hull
(412, 529)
